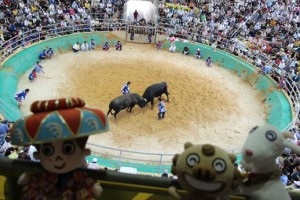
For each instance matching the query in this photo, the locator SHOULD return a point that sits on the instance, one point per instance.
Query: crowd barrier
(23, 57)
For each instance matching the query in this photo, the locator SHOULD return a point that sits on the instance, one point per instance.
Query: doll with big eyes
(60, 133)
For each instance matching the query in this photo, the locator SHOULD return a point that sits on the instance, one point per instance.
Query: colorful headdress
(58, 119)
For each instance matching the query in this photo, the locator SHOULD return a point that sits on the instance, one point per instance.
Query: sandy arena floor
(207, 105)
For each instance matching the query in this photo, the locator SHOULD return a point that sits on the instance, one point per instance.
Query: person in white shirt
(84, 46)
(172, 47)
(76, 47)
(94, 165)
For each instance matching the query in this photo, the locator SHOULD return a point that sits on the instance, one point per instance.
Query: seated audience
(186, 51)
(118, 46)
(32, 75)
(93, 44)
(158, 45)
(105, 47)
(84, 46)
(76, 47)
(43, 55)
(172, 47)
(208, 61)
(198, 53)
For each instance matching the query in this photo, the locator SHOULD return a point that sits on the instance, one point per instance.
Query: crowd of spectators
(10, 151)
(265, 33)
(289, 165)
(19, 16)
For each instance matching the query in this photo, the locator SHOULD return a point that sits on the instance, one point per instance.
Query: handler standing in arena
(161, 108)
(125, 88)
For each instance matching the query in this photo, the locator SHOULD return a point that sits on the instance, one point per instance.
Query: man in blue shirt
(125, 88)
(19, 97)
(38, 68)
(43, 55)
(4, 128)
(50, 52)
(161, 108)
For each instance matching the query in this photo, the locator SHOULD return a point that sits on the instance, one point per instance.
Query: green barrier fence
(279, 114)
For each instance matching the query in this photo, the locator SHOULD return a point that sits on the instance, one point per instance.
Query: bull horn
(145, 99)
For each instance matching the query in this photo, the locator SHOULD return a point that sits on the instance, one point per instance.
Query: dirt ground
(207, 104)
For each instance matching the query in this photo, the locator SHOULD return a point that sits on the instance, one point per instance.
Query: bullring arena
(241, 113)
(207, 104)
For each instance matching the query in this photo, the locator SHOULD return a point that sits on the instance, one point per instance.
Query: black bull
(156, 90)
(126, 101)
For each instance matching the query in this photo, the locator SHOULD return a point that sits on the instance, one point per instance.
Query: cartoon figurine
(205, 172)
(263, 145)
(59, 130)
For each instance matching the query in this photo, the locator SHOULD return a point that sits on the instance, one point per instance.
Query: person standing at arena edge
(149, 38)
(125, 88)
(132, 34)
(135, 15)
(19, 97)
(161, 108)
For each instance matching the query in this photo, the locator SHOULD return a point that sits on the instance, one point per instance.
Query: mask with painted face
(59, 130)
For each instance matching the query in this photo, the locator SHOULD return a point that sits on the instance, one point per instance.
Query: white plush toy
(263, 145)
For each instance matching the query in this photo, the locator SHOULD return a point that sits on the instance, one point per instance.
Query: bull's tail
(109, 111)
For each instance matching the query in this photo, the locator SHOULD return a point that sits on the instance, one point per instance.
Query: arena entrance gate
(140, 34)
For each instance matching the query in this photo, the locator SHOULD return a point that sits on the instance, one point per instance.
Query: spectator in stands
(93, 44)
(186, 51)
(4, 127)
(11, 153)
(76, 47)
(198, 53)
(105, 47)
(94, 165)
(158, 45)
(266, 69)
(19, 97)
(84, 46)
(165, 174)
(23, 155)
(118, 46)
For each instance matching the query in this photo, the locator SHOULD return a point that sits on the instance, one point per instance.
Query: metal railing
(118, 157)
(146, 162)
